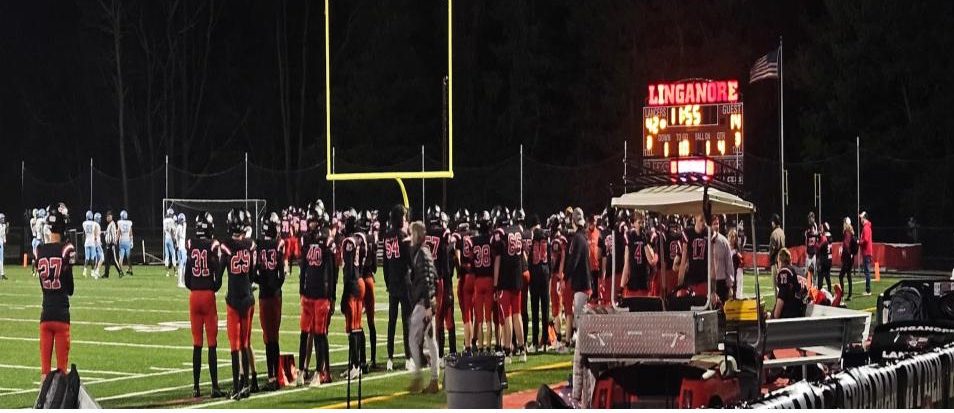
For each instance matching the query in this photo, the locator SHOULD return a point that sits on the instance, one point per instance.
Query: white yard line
(106, 343)
(5, 389)
(37, 368)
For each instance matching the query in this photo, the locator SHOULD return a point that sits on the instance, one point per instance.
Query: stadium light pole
(334, 192)
(246, 180)
(857, 177)
(521, 176)
(90, 183)
(781, 131)
(167, 176)
(423, 199)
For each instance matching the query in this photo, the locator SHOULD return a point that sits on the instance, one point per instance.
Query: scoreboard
(692, 119)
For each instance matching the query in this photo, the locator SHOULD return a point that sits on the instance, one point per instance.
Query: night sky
(206, 81)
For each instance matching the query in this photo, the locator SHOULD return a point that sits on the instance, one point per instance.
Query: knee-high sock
(440, 335)
(319, 362)
(452, 340)
(302, 348)
(214, 367)
(374, 342)
(272, 353)
(362, 347)
(326, 362)
(245, 368)
(196, 365)
(235, 372)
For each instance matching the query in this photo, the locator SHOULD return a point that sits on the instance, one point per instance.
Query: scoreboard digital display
(694, 118)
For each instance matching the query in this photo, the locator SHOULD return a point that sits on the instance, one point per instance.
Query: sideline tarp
(682, 200)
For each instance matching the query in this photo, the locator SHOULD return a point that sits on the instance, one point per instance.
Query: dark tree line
(205, 81)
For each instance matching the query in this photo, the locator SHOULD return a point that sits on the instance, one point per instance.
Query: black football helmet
(502, 217)
(238, 219)
(270, 225)
(555, 222)
(204, 225)
(350, 218)
(519, 216)
(483, 221)
(462, 219)
(364, 221)
(397, 216)
(57, 217)
(434, 216)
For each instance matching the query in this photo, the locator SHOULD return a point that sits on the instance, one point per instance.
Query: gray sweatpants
(419, 337)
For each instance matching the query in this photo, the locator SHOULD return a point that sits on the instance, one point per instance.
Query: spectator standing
(776, 243)
(824, 257)
(735, 249)
(866, 248)
(722, 269)
(849, 247)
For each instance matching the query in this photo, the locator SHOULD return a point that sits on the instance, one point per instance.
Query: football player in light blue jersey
(91, 236)
(100, 256)
(3, 240)
(181, 246)
(168, 241)
(125, 242)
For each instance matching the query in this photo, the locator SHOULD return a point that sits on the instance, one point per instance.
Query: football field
(131, 343)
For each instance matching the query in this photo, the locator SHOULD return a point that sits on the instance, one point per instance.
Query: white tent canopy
(682, 200)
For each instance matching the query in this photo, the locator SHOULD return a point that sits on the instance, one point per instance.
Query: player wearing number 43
(54, 266)
(270, 276)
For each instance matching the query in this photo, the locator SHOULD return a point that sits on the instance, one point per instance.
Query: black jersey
(369, 264)
(616, 242)
(54, 266)
(672, 248)
(791, 289)
(526, 236)
(507, 244)
(397, 261)
(203, 271)
(465, 246)
(238, 256)
(812, 239)
(437, 240)
(317, 266)
(354, 252)
(697, 254)
(483, 264)
(269, 271)
(539, 256)
(639, 268)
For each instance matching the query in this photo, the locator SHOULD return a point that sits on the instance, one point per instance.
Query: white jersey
(33, 227)
(3, 236)
(168, 229)
(181, 236)
(38, 229)
(125, 230)
(91, 233)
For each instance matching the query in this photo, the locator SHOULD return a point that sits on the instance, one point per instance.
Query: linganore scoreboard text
(694, 119)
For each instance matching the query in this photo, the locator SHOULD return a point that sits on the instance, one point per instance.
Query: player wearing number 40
(54, 265)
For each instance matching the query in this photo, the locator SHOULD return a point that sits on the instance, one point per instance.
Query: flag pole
(781, 128)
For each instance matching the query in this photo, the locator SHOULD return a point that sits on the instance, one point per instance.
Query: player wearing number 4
(238, 258)
(54, 265)
(203, 278)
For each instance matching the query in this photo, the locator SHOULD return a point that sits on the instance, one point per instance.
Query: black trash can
(474, 381)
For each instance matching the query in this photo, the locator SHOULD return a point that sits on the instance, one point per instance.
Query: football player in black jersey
(365, 226)
(694, 272)
(270, 276)
(238, 260)
(483, 282)
(317, 287)
(437, 240)
(203, 278)
(639, 259)
(397, 244)
(54, 266)
(520, 220)
(507, 250)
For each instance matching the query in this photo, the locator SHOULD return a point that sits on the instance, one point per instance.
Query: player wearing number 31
(203, 278)
(238, 258)
(54, 265)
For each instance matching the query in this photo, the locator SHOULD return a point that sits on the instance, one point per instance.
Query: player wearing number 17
(203, 278)
(54, 266)
(238, 258)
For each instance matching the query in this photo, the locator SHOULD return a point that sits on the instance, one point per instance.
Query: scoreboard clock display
(694, 118)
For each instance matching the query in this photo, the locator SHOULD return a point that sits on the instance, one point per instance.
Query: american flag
(765, 68)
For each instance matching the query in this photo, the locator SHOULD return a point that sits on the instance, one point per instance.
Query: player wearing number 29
(270, 276)
(54, 265)
(203, 278)
(238, 258)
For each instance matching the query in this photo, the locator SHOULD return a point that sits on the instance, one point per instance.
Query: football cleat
(300, 380)
(195, 393)
(390, 366)
(432, 387)
(216, 393)
(409, 365)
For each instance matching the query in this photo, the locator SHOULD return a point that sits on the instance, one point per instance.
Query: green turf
(132, 344)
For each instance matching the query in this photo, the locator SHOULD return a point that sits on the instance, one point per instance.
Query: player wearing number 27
(54, 266)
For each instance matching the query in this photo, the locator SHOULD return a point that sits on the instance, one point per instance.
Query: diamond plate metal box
(673, 334)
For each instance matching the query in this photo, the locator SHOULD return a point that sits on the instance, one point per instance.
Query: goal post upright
(399, 176)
